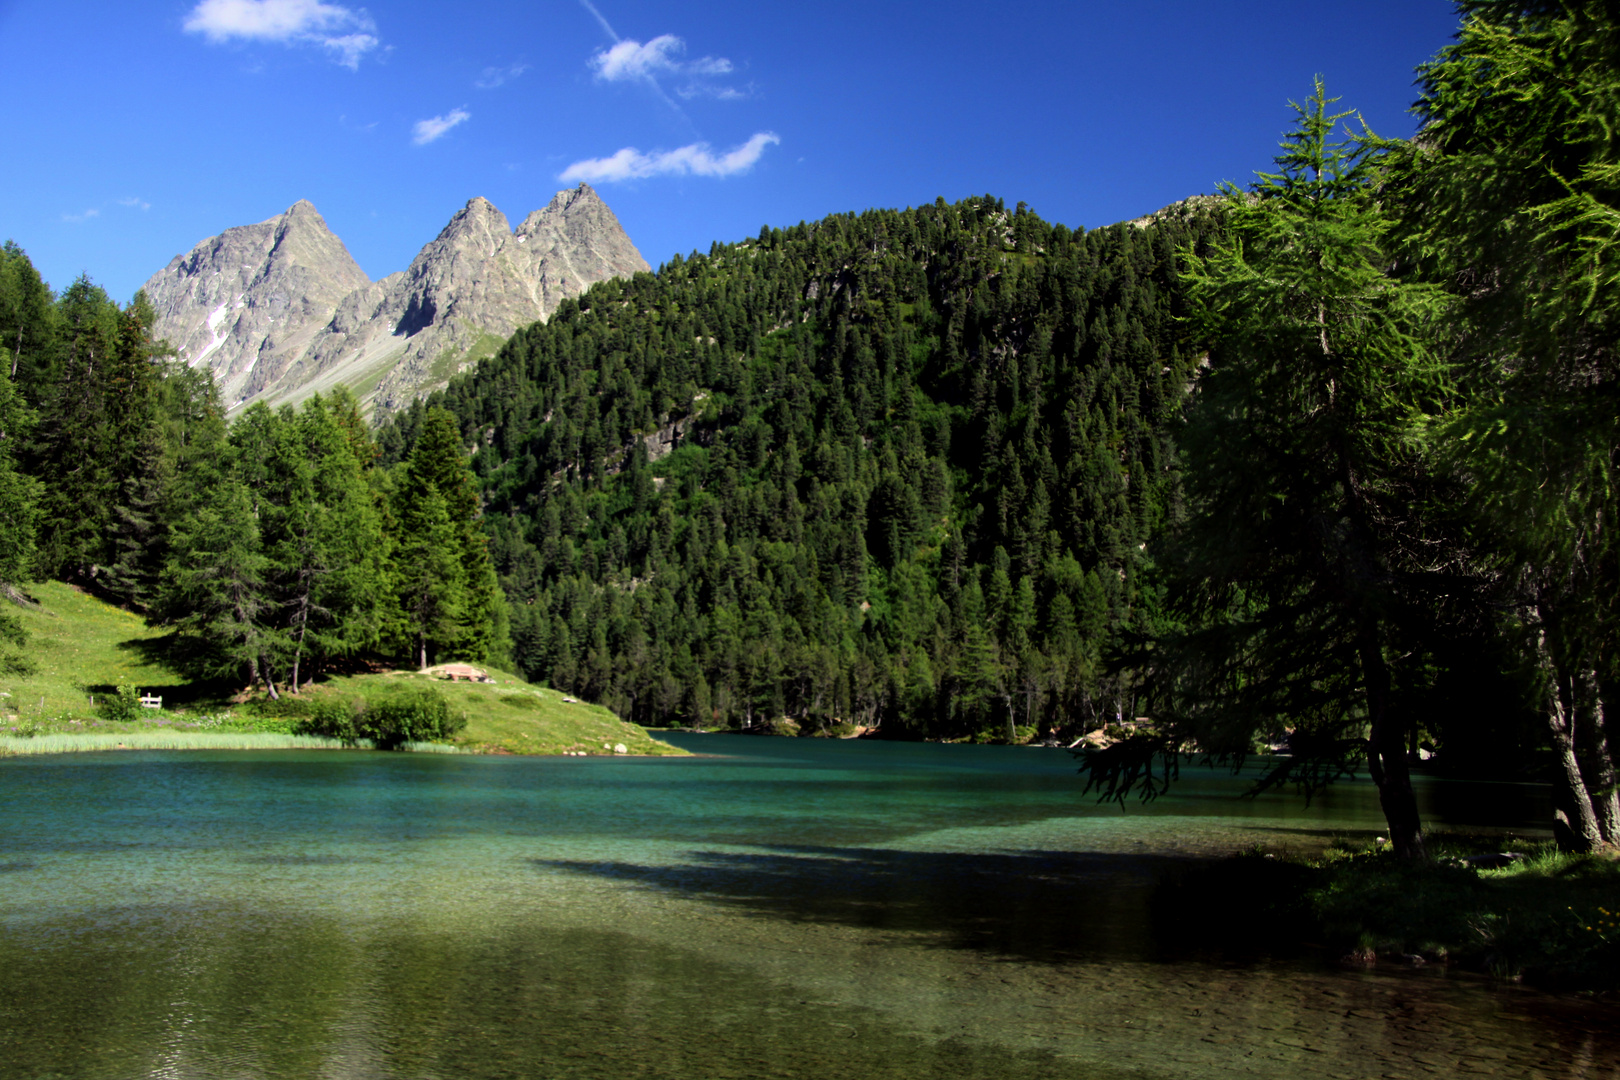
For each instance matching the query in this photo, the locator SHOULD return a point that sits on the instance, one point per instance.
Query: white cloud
(135, 203)
(348, 32)
(351, 47)
(86, 216)
(496, 76)
(719, 93)
(631, 61)
(710, 65)
(694, 160)
(426, 131)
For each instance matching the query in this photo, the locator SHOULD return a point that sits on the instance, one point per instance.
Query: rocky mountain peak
(280, 310)
(580, 203)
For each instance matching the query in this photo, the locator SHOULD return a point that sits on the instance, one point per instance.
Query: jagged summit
(280, 310)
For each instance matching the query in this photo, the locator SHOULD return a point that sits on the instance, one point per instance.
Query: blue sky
(135, 129)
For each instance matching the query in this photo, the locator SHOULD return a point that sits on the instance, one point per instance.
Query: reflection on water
(786, 908)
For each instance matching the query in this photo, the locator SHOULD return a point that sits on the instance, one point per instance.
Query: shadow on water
(1046, 906)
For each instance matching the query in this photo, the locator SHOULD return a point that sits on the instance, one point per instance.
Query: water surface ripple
(773, 908)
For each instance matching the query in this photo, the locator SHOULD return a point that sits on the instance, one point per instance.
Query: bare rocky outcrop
(279, 310)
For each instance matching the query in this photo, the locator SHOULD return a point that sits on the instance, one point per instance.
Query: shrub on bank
(122, 706)
(415, 716)
(1548, 917)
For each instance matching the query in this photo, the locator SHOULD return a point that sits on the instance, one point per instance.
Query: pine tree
(30, 326)
(71, 449)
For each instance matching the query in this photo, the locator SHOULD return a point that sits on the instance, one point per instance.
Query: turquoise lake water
(772, 908)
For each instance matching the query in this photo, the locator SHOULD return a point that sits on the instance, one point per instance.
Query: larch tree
(1514, 204)
(1297, 565)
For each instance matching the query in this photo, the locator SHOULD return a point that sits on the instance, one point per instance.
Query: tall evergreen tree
(30, 326)
(71, 450)
(214, 584)
(1514, 202)
(471, 601)
(18, 497)
(429, 579)
(1298, 560)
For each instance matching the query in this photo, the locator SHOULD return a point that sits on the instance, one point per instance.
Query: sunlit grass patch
(513, 717)
(77, 641)
(82, 647)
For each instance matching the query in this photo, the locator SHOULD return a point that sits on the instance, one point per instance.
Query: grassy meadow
(83, 648)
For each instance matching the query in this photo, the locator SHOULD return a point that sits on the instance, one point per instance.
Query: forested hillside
(894, 468)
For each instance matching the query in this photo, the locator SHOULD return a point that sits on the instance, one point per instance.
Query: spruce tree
(72, 448)
(438, 467)
(214, 586)
(18, 498)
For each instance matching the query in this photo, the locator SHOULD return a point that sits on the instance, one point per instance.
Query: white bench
(148, 701)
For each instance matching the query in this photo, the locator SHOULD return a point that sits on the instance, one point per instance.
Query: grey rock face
(279, 310)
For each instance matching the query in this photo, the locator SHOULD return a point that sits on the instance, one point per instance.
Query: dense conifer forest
(894, 469)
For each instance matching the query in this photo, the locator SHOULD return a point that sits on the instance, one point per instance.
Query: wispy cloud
(719, 93)
(663, 57)
(432, 128)
(350, 33)
(631, 61)
(135, 203)
(85, 216)
(694, 160)
(497, 76)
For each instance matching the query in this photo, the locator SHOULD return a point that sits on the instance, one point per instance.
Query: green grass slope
(509, 716)
(78, 643)
(82, 648)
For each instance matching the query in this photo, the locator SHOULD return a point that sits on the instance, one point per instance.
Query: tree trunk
(1386, 754)
(269, 680)
(1575, 822)
(1592, 754)
(298, 647)
(1605, 785)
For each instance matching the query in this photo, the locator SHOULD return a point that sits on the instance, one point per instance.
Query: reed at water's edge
(69, 743)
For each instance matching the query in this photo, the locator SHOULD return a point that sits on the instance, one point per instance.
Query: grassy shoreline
(82, 648)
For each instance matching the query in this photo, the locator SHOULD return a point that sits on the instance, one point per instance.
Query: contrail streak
(590, 7)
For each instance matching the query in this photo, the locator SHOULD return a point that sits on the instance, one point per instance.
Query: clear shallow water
(786, 908)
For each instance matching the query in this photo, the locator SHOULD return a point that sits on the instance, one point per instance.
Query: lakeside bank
(82, 649)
